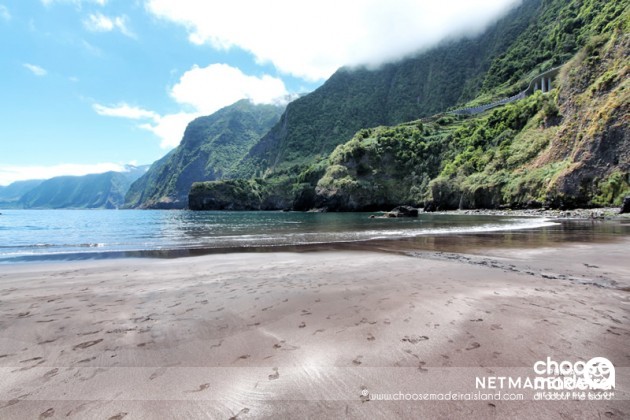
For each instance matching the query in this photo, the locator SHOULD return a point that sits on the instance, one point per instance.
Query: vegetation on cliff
(562, 149)
(210, 148)
(356, 98)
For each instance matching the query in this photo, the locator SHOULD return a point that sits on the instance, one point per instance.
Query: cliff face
(593, 137)
(211, 146)
(352, 99)
(561, 149)
(564, 149)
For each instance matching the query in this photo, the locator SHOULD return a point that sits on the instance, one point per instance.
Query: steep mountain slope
(209, 149)
(523, 154)
(565, 149)
(11, 194)
(106, 190)
(351, 99)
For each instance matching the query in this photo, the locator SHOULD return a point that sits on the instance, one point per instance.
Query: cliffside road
(541, 82)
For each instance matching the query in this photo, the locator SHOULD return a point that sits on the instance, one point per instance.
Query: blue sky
(89, 85)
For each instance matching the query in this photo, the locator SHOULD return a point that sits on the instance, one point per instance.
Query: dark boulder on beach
(430, 206)
(625, 206)
(403, 211)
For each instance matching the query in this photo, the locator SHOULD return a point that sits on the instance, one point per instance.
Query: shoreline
(421, 240)
(601, 213)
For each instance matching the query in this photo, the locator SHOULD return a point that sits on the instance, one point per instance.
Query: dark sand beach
(314, 334)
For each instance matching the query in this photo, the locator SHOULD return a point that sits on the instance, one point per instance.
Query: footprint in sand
(118, 416)
(30, 360)
(51, 373)
(274, 375)
(48, 413)
(87, 344)
(357, 360)
(414, 339)
(421, 367)
(14, 401)
(473, 345)
(370, 337)
(202, 387)
(157, 373)
(302, 325)
(90, 333)
(243, 411)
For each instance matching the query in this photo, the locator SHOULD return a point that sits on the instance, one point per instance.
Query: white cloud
(98, 22)
(12, 173)
(312, 40)
(210, 88)
(204, 90)
(170, 128)
(75, 2)
(124, 110)
(91, 49)
(4, 13)
(36, 70)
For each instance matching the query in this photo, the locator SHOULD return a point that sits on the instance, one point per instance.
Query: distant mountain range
(95, 191)
(11, 194)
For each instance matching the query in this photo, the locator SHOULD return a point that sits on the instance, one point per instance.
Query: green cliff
(210, 148)
(562, 149)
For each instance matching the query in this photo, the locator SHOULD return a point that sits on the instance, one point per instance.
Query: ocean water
(32, 235)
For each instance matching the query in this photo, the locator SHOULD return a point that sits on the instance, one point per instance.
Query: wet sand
(311, 334)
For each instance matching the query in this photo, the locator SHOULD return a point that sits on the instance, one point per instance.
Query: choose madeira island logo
(592, 380)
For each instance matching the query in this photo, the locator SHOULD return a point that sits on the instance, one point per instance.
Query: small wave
(46, 245)
(302, 238)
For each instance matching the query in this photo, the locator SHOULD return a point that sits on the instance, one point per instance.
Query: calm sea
(31, 235)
